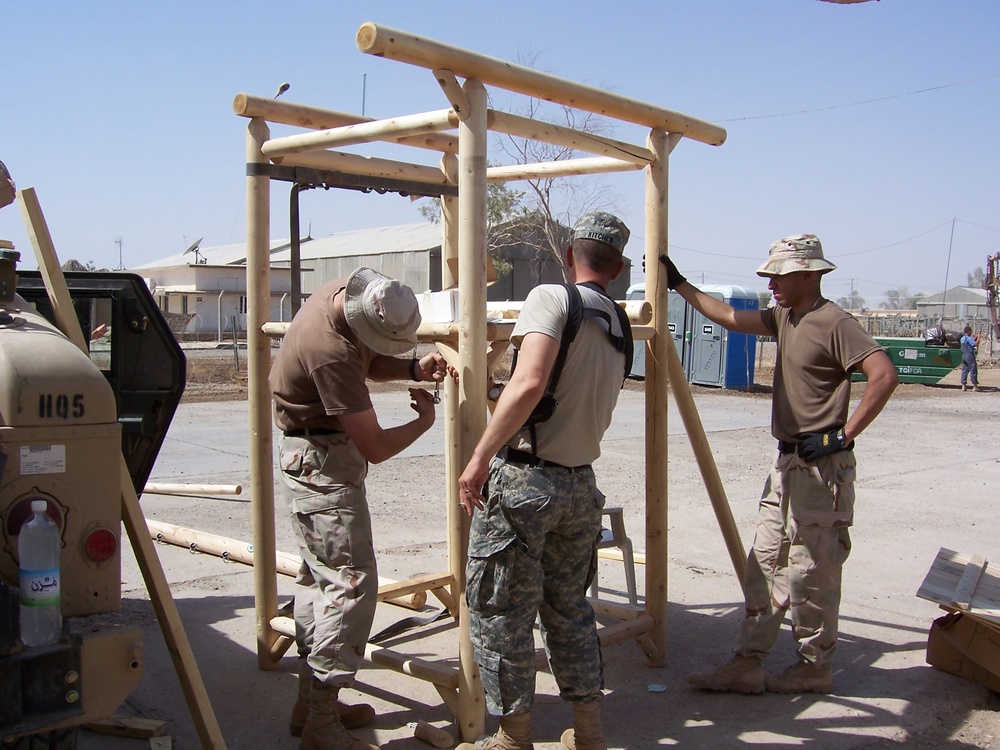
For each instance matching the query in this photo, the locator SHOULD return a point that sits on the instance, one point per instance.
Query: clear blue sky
(873, 125)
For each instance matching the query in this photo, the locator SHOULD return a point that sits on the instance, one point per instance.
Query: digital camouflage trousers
(533, 552)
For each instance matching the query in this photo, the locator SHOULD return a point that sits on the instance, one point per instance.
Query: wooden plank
(120, 725)
(967, 583)
(962, 582)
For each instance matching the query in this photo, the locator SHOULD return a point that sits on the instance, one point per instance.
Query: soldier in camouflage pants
(525, 557)
(802, 541)
(807, 507)
(537, 519)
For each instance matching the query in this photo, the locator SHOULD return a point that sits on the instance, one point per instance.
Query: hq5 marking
(60, 405)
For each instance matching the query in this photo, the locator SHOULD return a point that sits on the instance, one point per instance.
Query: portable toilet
(710, 355)
(716, 356)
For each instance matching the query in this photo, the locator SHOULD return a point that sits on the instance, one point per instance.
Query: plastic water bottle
(38, 550)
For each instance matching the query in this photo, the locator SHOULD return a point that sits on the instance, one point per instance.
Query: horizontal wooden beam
(365, 165)
(382, 41)
(560, 135)
(349, 135)
(564, 168)
(317, 118)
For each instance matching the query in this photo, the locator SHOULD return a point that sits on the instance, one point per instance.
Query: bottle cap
(39, 506)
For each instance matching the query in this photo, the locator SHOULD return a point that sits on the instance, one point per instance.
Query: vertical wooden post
(472, 152)
(661, 144)
(458, 526)
(265, 576)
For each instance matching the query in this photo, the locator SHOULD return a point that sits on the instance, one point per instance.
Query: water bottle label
(40, 588)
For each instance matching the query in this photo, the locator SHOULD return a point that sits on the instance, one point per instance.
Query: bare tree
(551, 205)
(976, 279)
(854, 302)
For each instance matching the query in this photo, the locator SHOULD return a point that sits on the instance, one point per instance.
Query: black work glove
(813, 445)
(674, 277)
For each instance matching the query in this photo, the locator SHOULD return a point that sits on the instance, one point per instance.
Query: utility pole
(121, 265)
(364, 86)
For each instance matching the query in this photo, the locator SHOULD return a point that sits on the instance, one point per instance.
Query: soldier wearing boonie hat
(800, 252)
(807, 506)
(381, 311)
(346, 331)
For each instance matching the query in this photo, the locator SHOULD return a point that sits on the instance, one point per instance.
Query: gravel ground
(929, 469)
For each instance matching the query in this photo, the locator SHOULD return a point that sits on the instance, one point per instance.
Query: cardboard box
(967, 647)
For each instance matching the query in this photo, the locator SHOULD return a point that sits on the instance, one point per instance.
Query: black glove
(674, 277)
(813, 445)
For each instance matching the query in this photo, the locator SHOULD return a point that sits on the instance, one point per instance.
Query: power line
(864, 101)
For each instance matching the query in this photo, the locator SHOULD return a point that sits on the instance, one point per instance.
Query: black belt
(309, 432)
(784, 447)
(523, 458)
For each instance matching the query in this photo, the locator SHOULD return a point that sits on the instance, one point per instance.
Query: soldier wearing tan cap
(807, 506)
(347, 332)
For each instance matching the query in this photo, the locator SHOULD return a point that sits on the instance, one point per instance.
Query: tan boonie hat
(604, 227)
(381, 311)
(800, 252)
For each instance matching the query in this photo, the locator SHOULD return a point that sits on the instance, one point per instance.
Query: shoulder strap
(623, 343)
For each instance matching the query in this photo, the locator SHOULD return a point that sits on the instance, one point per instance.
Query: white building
(203, 291)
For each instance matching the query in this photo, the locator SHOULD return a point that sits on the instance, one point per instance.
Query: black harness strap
(574, 319)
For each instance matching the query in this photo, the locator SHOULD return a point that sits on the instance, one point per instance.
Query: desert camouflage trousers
(799, 550)
(533, 551)
(323, 478)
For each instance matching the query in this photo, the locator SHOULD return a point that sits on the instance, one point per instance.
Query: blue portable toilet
(710, 355)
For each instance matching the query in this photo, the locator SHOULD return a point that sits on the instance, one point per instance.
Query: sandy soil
(928, 478)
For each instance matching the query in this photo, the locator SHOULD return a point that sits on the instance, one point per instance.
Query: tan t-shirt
(590, 382)
(321, 367)
(816, 353)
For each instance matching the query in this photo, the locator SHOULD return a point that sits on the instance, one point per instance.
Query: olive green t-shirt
(321, 367)
(816, 353)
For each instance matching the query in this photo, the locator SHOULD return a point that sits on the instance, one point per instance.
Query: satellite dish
(194, 246)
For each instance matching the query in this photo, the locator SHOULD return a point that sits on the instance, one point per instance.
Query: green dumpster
(915, 361)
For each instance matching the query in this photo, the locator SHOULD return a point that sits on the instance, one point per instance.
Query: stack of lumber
(966, 641)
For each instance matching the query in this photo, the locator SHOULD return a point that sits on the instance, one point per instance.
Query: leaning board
(961, 582)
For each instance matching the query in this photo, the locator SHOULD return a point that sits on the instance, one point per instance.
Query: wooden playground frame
(474, 344)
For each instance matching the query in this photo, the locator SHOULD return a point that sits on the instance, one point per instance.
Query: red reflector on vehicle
(100, 545)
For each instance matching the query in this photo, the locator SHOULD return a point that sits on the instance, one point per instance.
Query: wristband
(413, 370)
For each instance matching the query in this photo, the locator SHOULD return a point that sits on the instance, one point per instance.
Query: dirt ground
(928, 478)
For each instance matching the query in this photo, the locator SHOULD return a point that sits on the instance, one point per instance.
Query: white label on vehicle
(43, 459)
(909, 353)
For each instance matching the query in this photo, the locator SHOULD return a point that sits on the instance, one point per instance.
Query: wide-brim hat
(381, 311)
(800, 252)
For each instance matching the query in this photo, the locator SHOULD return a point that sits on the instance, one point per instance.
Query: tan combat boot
(323, 729)
(352, 717)
(743, 674)
(514, 734)
(802, 677)
(586, 733)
